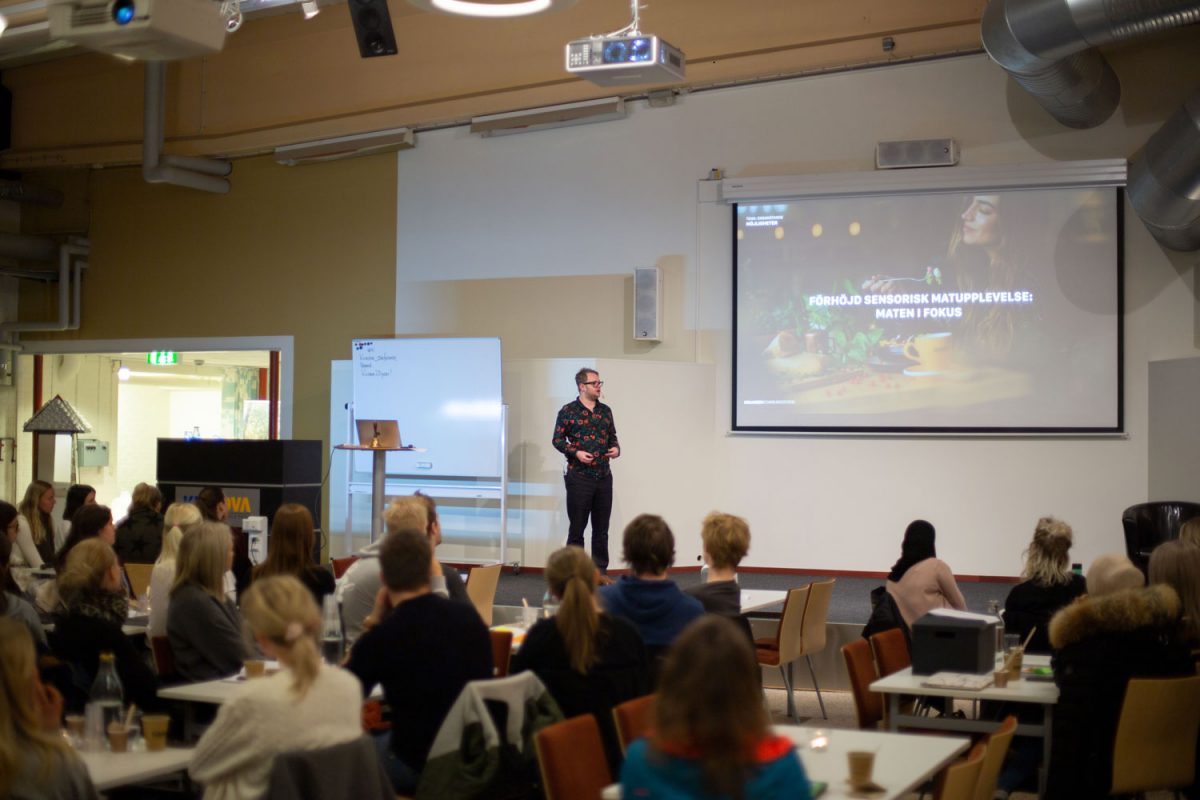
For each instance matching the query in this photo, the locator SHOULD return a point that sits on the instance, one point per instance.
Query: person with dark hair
(211, 502)
(711, 734)
(589, 661)
(12, 605)
(291, 551)
(586, 434)
(139, 536)
(919, 581)
(422, 648)
(90, 522)
(649, 599)
(11, 528)
(78, 496)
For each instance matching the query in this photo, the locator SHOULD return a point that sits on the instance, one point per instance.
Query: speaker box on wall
(373, 28)
(916, 153)
(647, 304)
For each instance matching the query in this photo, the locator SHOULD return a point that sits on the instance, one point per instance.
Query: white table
(112, 770)
(903, 761)
(215, 692)
(756, 599)
(1043, 693)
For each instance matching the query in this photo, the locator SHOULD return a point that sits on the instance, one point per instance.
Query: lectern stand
(378, 472)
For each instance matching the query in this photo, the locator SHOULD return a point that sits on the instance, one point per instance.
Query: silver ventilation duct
(1048, 47)
(205, 174)
(1164, 180)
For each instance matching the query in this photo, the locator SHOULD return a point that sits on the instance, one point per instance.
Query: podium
(378, 472)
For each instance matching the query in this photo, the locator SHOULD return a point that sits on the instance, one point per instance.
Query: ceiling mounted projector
(142, 30)
(625, 59)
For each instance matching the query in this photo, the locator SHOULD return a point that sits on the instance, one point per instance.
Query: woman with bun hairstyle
(307, 705)
(1048, 584)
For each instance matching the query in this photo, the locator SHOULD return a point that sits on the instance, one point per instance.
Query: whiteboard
(445, 393)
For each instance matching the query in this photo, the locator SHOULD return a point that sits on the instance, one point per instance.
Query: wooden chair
(571, 759)
(891, 651)
(164, 658)
(958, 781)
(997, 748)
(481, 588)
(501, 652)
(860, 666)
(1155, 746)
(784, 648)
(340, 565)
(634, 719)
(139, 578)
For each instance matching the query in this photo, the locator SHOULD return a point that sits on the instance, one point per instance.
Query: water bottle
(549, 604)
(107, 692)
(332, 640)
(994, 610)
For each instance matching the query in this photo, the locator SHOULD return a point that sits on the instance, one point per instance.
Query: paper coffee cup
(1000, 678)
(255, 668)
(154, 729)
(862, 764)
(118, 737)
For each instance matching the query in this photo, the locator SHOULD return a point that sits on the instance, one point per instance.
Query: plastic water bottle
(549, 604)
(333, 641)
(994, 610)
(107, 692)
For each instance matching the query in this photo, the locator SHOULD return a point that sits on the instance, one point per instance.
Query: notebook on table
(957, 680)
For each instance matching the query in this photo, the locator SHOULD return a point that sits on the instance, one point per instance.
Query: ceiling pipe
(205, 174)
(1048, 47)
(70, 254)
(1164, 180)
(26, 194)
(27, 248)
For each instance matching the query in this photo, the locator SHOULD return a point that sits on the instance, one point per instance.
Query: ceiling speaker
(373, 28)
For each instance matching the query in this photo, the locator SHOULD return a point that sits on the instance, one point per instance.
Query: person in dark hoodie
(649, 599)
(1117, 632)
(139, 536)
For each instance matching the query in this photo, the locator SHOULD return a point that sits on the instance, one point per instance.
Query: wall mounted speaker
(915, 153)
(373, 28)
(647, 304)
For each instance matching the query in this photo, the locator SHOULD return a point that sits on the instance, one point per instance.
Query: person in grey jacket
(203, 626)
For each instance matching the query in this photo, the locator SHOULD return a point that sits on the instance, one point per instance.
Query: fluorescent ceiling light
(509, 8)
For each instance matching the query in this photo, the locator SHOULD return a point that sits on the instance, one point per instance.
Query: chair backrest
(816, 613)
(340, 565)
(481, 588)
(860, 666)
(341, 772)
(634, 719)
(501, 652)
(790, 637)
(1147, 525)
(997, 748)
(1155, 746)
(958, 781)
(571, 759)
(164, 657)
(139, 578)
(891, 651)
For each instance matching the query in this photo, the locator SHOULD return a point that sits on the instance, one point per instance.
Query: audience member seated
(422, 648)
(712, 738)
(1118, 631)
(95, 608)
(179, 519)
(78, 496)
(90, 522)
(307, 705)
(648, 598)
(37, 534)
(1190, 531)
(362, 582)
(36, 761)
(211, 502)
(16, 607)
(1048, 584)
(725, 540)
(919, 581)
(1177, 564)
(291, 551)
(10, 526)
(456, 587)
(589, 661)
(139, 536)
(203, 625)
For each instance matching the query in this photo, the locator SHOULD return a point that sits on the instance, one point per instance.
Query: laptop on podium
(381, 434)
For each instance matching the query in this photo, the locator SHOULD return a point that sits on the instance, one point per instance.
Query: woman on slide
(920, 581)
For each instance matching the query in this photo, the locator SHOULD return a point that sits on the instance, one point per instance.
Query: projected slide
(983, 312)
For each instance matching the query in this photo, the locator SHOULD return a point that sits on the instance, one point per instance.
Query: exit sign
(162, 358)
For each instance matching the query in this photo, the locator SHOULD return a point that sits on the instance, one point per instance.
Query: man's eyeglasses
(597, 384)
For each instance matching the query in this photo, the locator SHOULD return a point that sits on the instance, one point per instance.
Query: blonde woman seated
(38, 535)
(711, 736)
(589, 661)
(203, 625)
(179, 519)
(307, 705)
(36, 762)
(1048, 584)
